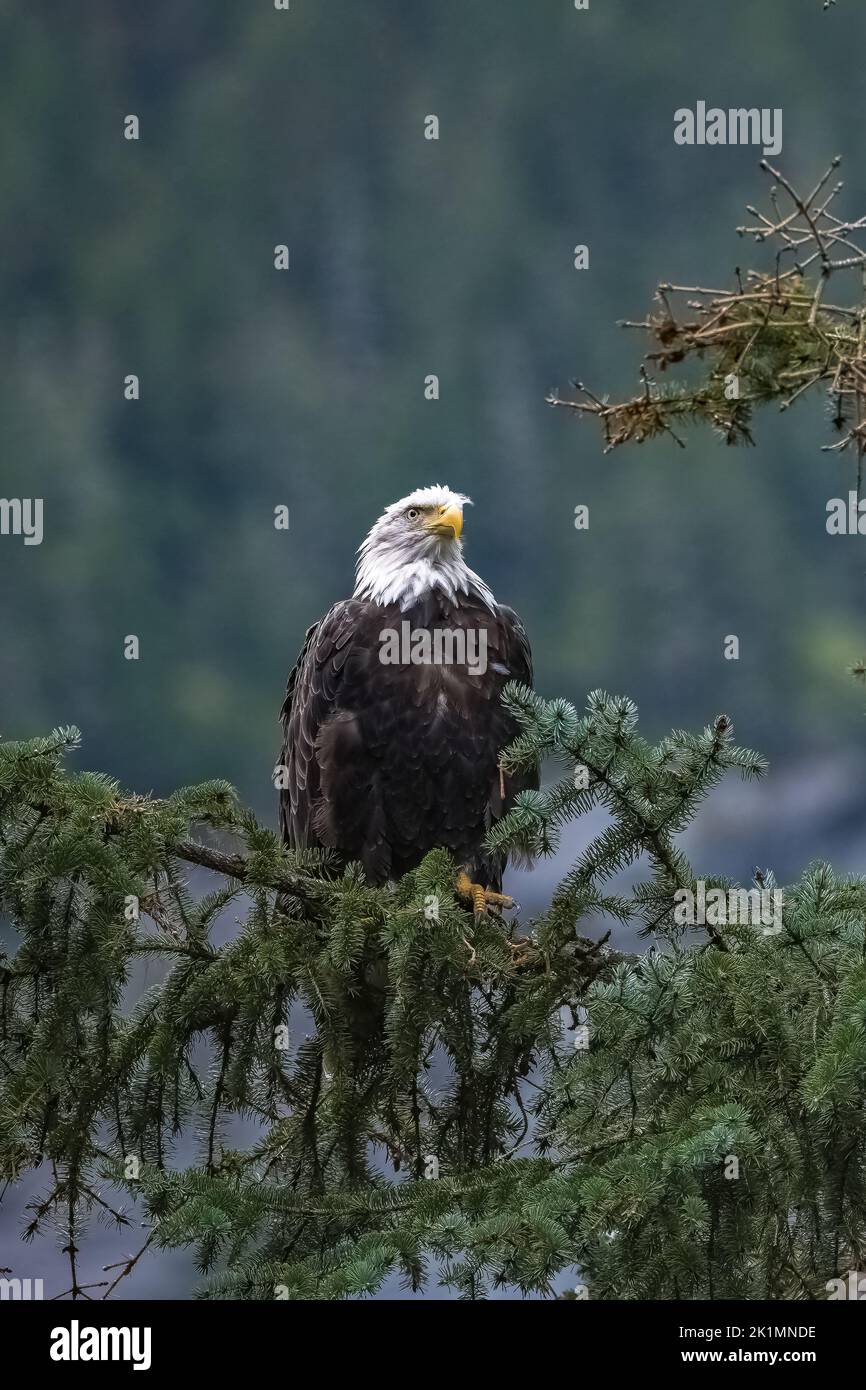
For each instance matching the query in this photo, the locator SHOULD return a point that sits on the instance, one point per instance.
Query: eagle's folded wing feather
(311, 699)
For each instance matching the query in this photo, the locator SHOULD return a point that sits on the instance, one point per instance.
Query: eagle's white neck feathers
(399, 563)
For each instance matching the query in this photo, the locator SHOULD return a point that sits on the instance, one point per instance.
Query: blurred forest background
(306, 388)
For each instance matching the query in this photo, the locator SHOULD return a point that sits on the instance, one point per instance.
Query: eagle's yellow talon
(480, 897)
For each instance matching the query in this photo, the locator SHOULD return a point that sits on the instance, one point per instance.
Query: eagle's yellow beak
(446, 521)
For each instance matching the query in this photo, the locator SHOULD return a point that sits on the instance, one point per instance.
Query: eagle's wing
(517, 645)
(311, 698)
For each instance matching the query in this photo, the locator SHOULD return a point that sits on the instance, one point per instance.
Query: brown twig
(128, 1266)
(774, 337)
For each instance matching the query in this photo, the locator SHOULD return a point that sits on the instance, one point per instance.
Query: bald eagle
(392, 721)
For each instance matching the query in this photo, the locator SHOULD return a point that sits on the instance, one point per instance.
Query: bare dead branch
(772, 338)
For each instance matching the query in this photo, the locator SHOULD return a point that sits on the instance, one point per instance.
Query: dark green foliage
(424, 1042)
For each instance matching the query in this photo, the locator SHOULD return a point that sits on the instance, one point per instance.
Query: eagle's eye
(413, 513)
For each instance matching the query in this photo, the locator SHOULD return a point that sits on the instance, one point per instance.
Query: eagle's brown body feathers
(385, 762)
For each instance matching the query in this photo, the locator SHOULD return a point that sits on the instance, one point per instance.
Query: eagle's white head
(414, 548)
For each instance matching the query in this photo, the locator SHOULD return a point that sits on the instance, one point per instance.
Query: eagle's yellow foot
(480, 897)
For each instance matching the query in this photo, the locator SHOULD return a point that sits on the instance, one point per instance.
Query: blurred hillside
(408, 257)
(306, 388)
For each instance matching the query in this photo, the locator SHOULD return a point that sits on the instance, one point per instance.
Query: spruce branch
(772, 338)
(405, 1047)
